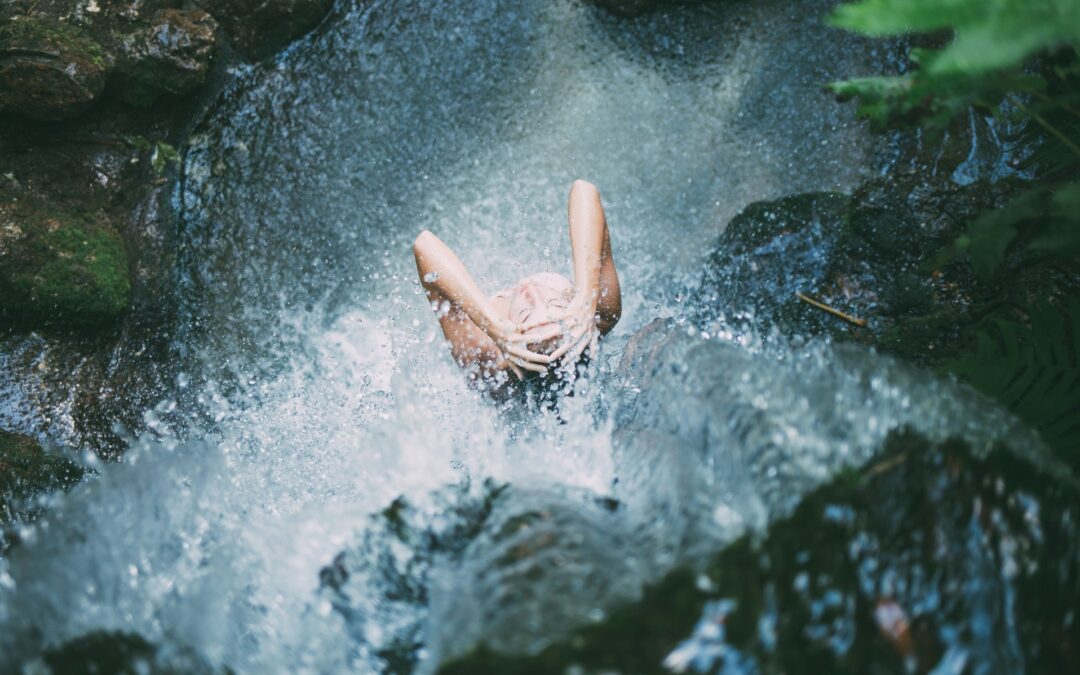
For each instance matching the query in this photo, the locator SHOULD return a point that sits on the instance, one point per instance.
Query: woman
(545, 319)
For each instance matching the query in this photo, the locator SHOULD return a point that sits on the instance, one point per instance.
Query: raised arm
(470, 322)
(596, 283)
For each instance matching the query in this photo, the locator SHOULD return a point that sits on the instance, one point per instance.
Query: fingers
(527, 355)
(563, 348)
(516, 371)
(579, 346)
(554, 330)
(522, 363)
(533, 323)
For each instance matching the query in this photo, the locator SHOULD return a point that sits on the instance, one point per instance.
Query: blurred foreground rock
(884, 569)
(118, 653)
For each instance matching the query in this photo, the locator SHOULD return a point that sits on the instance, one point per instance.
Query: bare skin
(544, 319)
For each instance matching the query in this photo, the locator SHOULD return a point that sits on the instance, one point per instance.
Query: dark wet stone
(872, 257)
(120, 653)
(259, 27)
(26, 470)
(928, 557)
(171, 54)
(493, 567)
(58, 266)
(49, 70)
(772, 251)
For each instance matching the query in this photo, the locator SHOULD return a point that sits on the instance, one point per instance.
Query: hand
(578, 324)
(511, 339)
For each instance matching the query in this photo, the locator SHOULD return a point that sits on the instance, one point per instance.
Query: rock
(58, 266)
(770, 252)
(931, 555)
(121, 653)
(169, 55)
(258, 27)
(26, 471)
(869, 255)
(547, 560)
(49, 70)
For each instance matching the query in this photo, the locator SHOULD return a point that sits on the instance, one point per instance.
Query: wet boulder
(510, 568)
(48, 69)
(59, 266)
(545, 561)
(869, 256)
(170, 54)
(259, 27)
(769, 253)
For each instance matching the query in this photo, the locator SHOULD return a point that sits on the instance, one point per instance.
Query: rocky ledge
(95, 96)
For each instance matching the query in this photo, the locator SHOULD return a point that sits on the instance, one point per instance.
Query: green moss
(38, 32)
(59, 267)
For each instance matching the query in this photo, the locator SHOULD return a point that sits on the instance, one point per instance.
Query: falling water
(314, 387)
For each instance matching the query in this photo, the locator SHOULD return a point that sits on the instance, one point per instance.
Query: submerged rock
(259, 27)
(57, 266)
(932, 556)
(26, 471)
(49, 70)
(169, 55)
(119, 653)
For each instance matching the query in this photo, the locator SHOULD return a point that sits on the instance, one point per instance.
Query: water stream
(314, 386)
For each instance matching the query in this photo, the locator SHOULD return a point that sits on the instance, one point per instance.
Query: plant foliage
(1033, 367)
(1013, 58)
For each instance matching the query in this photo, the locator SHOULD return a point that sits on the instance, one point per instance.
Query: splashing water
(317, 385)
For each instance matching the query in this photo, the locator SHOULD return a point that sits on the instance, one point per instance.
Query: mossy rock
(119, 653)
(26, 470)
(48, 69)
(58, 266)
(930, 551)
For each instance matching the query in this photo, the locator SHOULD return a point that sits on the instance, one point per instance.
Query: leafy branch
(1016, 58)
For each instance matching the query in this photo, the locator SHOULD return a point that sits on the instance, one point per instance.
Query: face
(539, 298)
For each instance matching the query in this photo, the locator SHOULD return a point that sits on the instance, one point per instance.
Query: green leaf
(989, 34)
(162, 154)
(1033, 369)
(991, 233)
